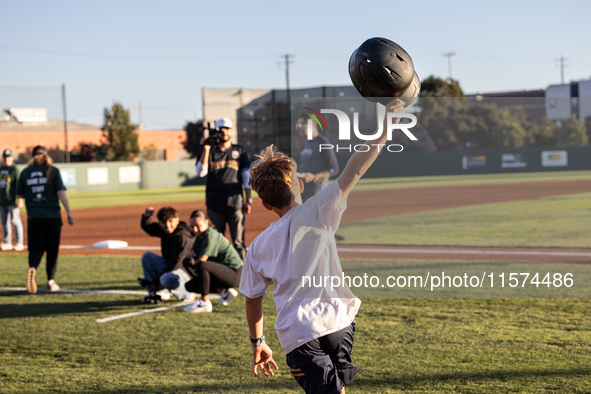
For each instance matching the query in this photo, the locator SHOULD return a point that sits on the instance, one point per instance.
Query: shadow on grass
(282, 386)
(412, 381)
(369, 384)
(103, 285)
(61, 308)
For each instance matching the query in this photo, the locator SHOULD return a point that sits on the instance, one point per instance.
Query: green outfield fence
(120, 176)
(485, 161)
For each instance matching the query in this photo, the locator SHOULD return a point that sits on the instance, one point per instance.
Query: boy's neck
(282, 211)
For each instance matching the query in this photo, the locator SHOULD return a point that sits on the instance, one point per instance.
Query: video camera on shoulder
(213, 138)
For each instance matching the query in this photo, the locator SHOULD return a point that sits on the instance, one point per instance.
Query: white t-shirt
(302, 244)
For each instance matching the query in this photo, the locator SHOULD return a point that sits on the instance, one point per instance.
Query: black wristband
(258, 341)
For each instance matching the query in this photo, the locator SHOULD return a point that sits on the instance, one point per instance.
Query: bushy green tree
(488, 126)
(443, 105)
(574, 132)
(437, 87)
(120, 139)
(546, 133)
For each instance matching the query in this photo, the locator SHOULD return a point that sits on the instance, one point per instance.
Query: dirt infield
(123, 223)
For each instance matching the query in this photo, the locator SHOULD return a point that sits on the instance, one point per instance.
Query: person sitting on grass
(165, 274)
(214, 264)
(315, 325)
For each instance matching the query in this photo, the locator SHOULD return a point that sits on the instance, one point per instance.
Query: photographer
(227, 169)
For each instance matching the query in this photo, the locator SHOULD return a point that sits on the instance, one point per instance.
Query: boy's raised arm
(361, 161)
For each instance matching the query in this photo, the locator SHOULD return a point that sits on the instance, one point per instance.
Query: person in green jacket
(41, 185)
(9, 207)
(214, 264)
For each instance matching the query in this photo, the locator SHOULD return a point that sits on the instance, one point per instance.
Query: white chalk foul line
(123, 316)
(464, 251)
(160, 309)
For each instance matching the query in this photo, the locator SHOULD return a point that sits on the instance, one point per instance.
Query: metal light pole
(67, 152)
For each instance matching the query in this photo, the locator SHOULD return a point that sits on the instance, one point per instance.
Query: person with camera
(226, 166)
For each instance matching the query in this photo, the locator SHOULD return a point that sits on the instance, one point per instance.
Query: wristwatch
(250, 200)
(257, 342)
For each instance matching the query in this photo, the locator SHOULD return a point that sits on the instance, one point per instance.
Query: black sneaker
(152, 299)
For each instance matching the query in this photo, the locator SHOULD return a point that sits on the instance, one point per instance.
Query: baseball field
(95, 336)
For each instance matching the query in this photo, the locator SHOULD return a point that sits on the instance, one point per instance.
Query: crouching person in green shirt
(214, 262)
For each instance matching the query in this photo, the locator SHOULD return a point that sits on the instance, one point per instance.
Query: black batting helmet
(380, 68)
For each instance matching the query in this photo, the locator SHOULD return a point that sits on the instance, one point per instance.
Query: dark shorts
(323, 365)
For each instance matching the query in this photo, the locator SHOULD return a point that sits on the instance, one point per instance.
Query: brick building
(22, 133)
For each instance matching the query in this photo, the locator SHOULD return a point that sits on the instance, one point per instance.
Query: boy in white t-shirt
(315, 324)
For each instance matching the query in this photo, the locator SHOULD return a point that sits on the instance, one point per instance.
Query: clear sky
(161, 53)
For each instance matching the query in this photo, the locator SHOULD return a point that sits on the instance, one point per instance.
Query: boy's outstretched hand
(396, 105)
(262, 357)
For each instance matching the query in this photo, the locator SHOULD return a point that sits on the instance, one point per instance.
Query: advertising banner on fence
(473, 162)
(555, 158)
(513, 160)
(68, 176)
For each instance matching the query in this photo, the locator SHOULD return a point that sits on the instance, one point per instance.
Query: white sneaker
(6, 247)
(164, 294)
(199, 306)
(19, 247)
(190, 298)
(226, 296)
(52, 286)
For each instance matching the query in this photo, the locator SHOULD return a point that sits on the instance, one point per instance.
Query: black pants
(209, 276)
(235, 222)
(44, 236)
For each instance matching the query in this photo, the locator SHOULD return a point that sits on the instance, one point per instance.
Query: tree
(574, 132)
(546, 133)
(437, 87)
(194, 133)
(84, 152)
(531, 129)
(120, 140)
(588, 126)
(443, 105)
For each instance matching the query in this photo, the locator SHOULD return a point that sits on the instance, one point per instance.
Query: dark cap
(7, 153)
(38, 150)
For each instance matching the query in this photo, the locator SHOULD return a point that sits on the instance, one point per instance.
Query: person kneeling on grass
(315, 325)
(214, 263)
(165, 274)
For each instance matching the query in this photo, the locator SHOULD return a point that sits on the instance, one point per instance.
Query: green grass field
(51, 342)
(560, 221)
